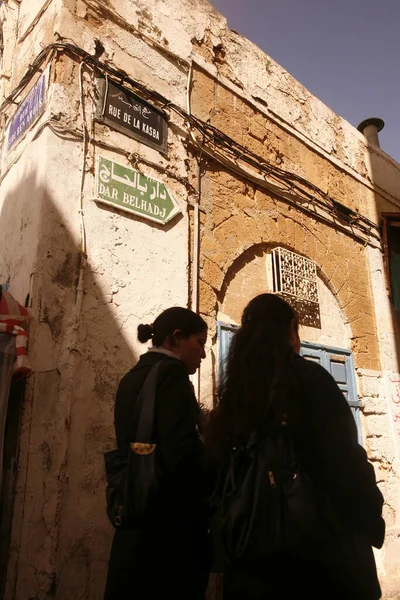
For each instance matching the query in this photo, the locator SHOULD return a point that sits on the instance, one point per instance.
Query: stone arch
(250, 274)
(341, 263)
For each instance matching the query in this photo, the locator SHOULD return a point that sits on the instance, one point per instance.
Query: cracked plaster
(78, 358)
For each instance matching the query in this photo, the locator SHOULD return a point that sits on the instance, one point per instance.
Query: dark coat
(169, 556)
(325, 435)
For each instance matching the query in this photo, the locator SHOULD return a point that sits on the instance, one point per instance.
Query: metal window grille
(295, 279)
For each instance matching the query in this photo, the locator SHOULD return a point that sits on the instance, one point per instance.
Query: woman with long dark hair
(168, 555)
(267, 386)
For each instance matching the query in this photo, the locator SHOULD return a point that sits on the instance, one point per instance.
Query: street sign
(129, 190)
(123, 110)
(29, 110)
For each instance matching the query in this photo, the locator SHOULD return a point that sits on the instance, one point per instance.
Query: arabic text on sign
(133, 191)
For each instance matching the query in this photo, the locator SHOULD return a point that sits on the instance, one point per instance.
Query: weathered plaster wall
(29, 12)
(133, 271)
(79, 346)
(28, 207)
(60, 538)
(9, 27)
(35, 28)
(19, 223)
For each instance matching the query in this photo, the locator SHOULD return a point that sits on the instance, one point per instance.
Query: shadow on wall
(60, 537)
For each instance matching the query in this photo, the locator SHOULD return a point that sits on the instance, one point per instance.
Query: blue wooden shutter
(337, 361)
(340, 365)
(311, 354)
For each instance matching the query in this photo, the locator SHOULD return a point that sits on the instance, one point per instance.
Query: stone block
(212, 274)
(309, 245)
(376, 425)
(322, 257)
(235, 235)
(369, 383)
(210, 246)
(374, 404)
(243, 201)
(258, 128)
(219, 215)
(366, 352)
(299, 238)
(286, 231)
(376, 448)
(208, 299)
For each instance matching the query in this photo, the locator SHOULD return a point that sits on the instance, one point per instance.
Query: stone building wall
(87, 295)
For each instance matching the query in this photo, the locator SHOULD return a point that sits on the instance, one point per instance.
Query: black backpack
(266, 502)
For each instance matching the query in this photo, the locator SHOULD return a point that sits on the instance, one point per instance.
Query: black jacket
(169, 556)
(325, 435)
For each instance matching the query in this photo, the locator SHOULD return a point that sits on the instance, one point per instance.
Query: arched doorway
(328, 343)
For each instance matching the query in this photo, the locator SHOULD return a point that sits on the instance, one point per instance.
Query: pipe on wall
(370, 129)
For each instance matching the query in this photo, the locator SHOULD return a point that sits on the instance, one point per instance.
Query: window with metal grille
(295, 279)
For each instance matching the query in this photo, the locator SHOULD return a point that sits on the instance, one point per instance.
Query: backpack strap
(143, 412)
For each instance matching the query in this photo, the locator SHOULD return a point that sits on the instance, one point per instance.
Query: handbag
(266, 501)
(131, 473)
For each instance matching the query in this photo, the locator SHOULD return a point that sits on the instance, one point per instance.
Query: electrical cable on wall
(79, 294)
(220, 147)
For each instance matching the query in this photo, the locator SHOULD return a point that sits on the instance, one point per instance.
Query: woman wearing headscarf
(168, 554)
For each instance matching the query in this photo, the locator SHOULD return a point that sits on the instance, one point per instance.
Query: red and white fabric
(13, 320)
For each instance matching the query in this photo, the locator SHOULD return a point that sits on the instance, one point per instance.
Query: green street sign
(129, 190)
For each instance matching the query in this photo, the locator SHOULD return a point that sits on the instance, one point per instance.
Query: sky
(345, 52)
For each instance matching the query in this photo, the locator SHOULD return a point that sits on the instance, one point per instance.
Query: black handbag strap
(143, 413)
